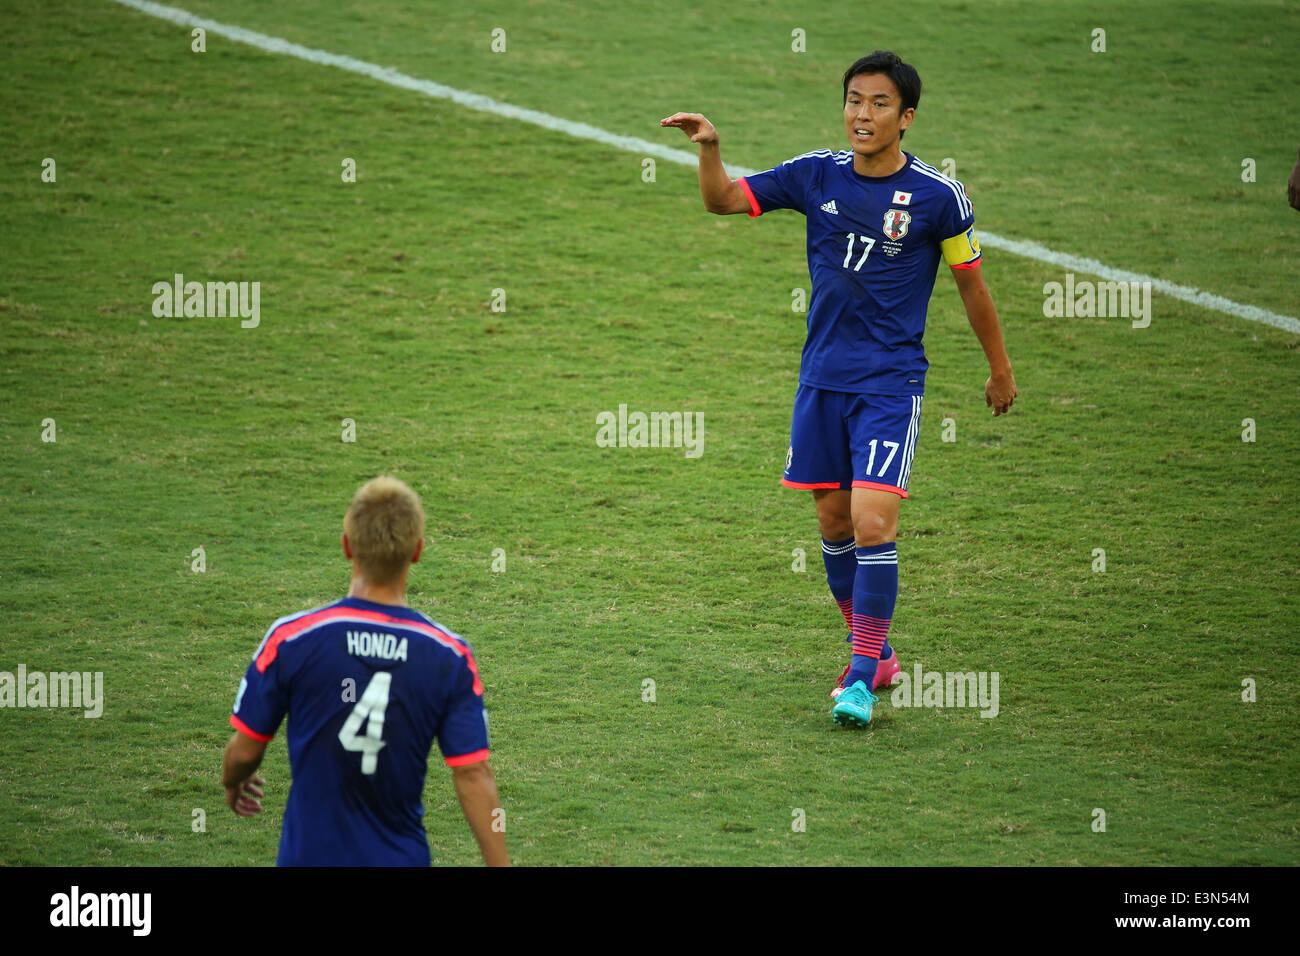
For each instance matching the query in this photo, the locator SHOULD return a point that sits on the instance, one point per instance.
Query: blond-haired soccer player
(367, 684)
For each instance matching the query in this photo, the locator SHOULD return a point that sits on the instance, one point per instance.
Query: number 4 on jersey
(369, 711)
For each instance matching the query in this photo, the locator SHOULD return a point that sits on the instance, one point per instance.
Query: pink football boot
(887, 672)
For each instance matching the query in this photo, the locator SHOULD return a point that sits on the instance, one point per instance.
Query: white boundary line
(475, 101)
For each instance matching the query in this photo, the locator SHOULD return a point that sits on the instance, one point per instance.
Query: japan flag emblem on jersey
(901, 198)
(896, 223)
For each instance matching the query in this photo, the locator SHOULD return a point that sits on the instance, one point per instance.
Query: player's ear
(347, 549)
(419, 548)
(905, 120)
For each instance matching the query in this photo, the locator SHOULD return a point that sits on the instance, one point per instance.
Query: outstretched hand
(693, 125)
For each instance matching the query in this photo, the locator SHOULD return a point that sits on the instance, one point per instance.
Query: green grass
(1119, 690)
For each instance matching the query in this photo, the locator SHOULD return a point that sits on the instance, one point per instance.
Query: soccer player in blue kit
(879, 220)
(367, 684)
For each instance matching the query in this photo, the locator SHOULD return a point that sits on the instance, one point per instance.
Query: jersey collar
(907, 163)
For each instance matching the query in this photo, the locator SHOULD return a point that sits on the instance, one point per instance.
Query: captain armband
(962, 251)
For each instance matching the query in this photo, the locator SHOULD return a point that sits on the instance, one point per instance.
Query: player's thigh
(883, 434)
(819, 457)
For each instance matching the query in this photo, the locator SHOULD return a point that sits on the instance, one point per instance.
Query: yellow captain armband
(962, 251)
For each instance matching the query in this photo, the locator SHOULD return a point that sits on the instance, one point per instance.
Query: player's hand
(1293, 186)
(693, 125)
(246, 798)
(1000, 392)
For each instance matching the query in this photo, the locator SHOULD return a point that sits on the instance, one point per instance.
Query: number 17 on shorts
(846, 440)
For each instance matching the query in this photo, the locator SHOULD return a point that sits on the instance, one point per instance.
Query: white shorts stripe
(916, 433)
(913, 429)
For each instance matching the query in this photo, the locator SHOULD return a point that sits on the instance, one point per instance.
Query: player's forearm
(983, 317)
(476, 788)
(716, 187)
(236, 766)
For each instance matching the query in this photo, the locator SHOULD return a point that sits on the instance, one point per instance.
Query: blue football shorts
(846, 440)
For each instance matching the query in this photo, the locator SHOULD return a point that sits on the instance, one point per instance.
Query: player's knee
(872, 528)
(835, 528)
(834, 518)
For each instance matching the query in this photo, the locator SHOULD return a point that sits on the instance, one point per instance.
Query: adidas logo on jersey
(830, 208)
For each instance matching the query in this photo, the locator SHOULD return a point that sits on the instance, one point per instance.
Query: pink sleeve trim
(477, 756)
(754, 211)
(248, 731)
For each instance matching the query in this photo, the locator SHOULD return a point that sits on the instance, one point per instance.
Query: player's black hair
(891, 65)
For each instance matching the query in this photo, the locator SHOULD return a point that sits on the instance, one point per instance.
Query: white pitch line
(475, 101)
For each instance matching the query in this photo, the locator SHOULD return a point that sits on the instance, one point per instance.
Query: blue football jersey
(874, 245)
(366, 688)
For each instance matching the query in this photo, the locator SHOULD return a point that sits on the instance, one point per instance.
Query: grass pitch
(1119, 690)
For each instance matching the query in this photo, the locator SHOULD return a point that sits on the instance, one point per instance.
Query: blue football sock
(841, 570)
(875, 590)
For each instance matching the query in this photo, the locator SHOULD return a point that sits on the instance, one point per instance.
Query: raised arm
(722, 194)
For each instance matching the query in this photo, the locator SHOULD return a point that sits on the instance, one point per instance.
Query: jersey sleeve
(781, 187)
(262, 701)
(960, 246)
(463, 735)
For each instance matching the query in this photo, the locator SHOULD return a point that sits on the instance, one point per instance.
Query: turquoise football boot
(853, 706)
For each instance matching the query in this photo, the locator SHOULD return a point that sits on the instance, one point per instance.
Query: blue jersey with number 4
(366, 687)
(874, 245)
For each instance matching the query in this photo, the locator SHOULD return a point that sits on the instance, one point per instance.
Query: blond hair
(384, 524)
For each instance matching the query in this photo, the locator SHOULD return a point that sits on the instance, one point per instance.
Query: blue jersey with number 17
(366, 687)
(874, 245)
